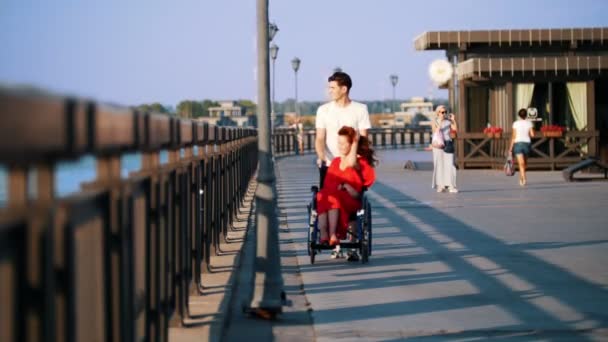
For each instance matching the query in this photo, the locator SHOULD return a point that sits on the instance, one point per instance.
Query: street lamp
(274, 50)
(272, 30)
(295, 64)
(394, 80)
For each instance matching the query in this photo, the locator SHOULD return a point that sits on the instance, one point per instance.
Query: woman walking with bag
(523, 131)
(444, 172)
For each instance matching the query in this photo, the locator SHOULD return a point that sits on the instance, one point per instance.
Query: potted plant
(488, 132)
(493, 132)
(497, 132)
(552, 131)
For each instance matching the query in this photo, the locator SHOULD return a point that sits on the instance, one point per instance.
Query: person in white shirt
(341, 111)
(521, 140)
(298, 126)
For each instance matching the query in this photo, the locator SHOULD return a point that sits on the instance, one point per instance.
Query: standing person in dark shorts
(521, 140)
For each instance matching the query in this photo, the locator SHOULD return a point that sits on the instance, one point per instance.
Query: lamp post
(295, 64)
(272, 30)
(394, 80)
(267, 295)
(274, 50)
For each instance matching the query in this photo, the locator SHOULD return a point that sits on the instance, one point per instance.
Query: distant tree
(190, 109)
(157, 107)
(308, 107)
(288, 105)
(206, 104)
(153, 108)
(170, 109)
(437, 102)
(248, 107)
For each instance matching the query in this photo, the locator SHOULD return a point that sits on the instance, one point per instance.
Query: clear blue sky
(140, 51)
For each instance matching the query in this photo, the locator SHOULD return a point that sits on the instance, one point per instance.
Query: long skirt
(444, 172)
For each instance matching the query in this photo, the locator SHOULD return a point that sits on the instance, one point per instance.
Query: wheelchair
(363, 229)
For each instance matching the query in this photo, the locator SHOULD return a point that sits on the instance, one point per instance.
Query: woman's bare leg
(521, 161)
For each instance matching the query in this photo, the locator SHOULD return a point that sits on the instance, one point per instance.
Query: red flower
(492, 130)
(552, 128)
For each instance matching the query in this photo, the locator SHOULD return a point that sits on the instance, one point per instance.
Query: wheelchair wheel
(364, 246)
(308, 249)
(311, 240)
(368, 223)
(312, 225)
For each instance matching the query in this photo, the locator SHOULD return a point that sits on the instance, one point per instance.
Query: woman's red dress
(329, 197)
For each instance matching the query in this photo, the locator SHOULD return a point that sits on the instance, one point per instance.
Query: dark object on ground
(568, 173)
(410, 165)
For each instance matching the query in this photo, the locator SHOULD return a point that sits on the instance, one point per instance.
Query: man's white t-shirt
(522, 129)
(332, 117)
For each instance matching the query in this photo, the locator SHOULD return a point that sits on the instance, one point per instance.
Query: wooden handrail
(135, 245)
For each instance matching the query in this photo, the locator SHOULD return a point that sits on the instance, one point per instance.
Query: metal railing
(117, 260)
(285, 139)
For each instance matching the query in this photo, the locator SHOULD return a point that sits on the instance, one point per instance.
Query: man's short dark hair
(342, 79)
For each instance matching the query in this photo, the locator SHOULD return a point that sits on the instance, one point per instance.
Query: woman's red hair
(363, 149)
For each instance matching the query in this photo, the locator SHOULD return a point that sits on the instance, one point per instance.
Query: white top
(522, 130)
(445, 126)
(332, 117)
(299, 127)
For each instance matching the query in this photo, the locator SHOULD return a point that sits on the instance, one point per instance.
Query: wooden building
(561, 73)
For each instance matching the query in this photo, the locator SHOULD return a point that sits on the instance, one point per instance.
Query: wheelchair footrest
(342, 245)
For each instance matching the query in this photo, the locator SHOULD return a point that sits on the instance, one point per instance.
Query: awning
(484, 68)
(443, 40)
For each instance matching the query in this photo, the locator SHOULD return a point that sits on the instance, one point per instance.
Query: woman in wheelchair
(347, 177)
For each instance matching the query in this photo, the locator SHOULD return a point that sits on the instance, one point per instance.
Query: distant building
(406, 117)
(562, 74)
(408, 112)
(228, 114)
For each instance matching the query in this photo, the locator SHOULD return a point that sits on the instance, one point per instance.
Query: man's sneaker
(440, 189)
(337, 253)
(353, 256)
(453, 190)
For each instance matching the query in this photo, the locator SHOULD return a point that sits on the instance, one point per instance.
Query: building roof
(480, 68)
(443, 40)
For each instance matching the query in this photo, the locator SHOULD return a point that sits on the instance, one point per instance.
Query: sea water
(69, 175)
